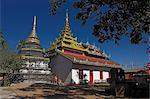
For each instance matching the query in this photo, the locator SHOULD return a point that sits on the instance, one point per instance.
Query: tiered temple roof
(66, 40)
(81, 53)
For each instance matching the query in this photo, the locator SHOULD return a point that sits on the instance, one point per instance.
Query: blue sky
(16, 24)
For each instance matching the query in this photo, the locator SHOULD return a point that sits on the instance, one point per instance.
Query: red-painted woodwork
(80, 74)
(101, 75)
(91, 76)
(109, 75)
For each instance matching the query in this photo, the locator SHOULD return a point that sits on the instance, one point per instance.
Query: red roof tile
(89, 58)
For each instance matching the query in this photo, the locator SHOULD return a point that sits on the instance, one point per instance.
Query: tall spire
(33, 33)
(67, 28)
(67, 23)
(34, 24)
(33, 36)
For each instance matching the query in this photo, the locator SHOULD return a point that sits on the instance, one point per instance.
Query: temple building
(74, 62)
(35, 63)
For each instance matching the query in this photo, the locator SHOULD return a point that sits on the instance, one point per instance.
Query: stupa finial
(33, 33)
(34, 24)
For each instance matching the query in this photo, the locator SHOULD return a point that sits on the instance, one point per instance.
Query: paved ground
(5, 94)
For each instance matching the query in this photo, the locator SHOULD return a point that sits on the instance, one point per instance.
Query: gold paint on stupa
(33, 36)
(34, 57)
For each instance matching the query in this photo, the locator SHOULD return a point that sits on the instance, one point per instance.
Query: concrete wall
(62, 67)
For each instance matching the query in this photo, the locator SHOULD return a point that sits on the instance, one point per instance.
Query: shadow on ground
(49, 91)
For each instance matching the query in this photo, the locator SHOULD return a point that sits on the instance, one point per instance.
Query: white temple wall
(34, 66)
(105, 75)
(75, 76)
(96, 76)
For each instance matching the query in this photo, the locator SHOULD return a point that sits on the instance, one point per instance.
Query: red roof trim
(91, 59)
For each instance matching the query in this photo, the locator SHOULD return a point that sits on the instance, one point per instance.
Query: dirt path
(5, 94)
(48, 91)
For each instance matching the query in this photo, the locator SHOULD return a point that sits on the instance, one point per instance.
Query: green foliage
(55, 4)
(3, 44)
(15, 62)
(113, 18)
(6, 82)
(10, 62)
